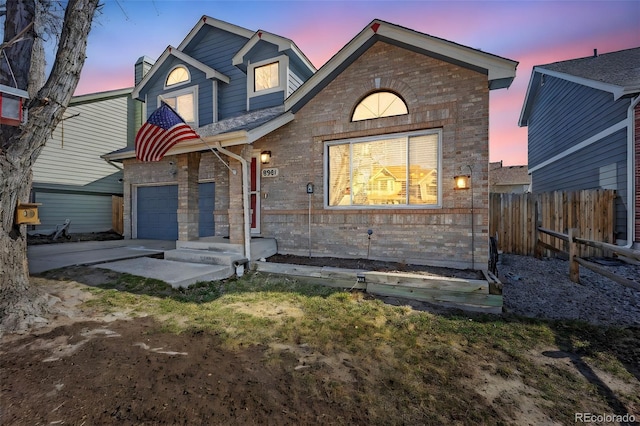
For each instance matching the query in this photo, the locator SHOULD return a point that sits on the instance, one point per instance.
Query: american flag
(163, 129)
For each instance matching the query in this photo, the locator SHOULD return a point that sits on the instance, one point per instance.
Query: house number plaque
(271, 172)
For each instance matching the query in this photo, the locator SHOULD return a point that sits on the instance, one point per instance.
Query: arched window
(177, 75)
(379, 104)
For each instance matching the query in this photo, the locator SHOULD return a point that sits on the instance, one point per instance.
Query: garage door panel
(157, 216)
(157, 212)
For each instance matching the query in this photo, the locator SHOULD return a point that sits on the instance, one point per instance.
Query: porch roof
(238, 130)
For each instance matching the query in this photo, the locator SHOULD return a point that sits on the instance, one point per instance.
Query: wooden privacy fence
(514, 219)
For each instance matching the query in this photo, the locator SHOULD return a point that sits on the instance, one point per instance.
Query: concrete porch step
(210, 257)
(217, 244)
(260, 247)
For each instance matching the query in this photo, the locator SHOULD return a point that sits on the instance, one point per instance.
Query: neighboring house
(70, 178)
(316, 159)
(583, 124)
(508, 179)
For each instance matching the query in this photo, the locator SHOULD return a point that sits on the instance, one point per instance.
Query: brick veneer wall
(439, 95)
(165, 172)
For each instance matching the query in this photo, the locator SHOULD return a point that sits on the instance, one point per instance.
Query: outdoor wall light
(265, 157)
(462, 182)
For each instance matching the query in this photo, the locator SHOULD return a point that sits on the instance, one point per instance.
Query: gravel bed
(540, 288)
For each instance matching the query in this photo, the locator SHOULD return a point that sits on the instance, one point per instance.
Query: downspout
(631, 181)
(245, 197)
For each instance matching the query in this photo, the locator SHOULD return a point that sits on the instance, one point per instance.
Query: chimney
(595, 53)
(143, 65)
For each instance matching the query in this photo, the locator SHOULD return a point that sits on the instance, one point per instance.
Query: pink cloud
(93, 80)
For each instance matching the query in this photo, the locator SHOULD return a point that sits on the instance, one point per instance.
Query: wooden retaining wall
(465, 294)
(514, 219)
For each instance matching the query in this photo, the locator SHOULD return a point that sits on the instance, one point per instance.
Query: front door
(254, 195)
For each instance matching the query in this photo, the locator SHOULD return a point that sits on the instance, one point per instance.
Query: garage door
(157, 211)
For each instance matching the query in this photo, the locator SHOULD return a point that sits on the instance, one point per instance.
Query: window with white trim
(177, 75)
(184, 102)
(267, 76)
(379, 104)
(400, 170)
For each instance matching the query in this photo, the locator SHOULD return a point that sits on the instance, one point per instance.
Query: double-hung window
(399, 170)
(184, 103)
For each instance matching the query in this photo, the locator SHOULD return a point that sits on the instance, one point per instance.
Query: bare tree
(22, 57)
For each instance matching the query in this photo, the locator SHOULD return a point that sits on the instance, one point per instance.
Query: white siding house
(69, 177)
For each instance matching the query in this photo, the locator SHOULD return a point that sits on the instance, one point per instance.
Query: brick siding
(439, 95)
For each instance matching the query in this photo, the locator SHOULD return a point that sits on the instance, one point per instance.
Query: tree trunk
(20, 146)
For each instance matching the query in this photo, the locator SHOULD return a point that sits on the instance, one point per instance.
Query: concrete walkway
(45, 257)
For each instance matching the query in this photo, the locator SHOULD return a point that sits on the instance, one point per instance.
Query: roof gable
(216, 23)
(500, 71)
(617, 73)
(172, 51)
(283, 44)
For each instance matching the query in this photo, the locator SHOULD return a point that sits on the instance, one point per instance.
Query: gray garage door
(157, 211)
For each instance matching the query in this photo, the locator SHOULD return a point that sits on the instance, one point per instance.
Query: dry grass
(404, 366)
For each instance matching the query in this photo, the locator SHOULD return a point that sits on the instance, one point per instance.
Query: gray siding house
(581, 116)
(70, 178)
(223, 80)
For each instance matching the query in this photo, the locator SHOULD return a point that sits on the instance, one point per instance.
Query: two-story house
(360, 157)
(70, 180)
(582, 117)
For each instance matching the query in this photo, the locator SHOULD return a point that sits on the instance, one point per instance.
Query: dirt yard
(90, 368)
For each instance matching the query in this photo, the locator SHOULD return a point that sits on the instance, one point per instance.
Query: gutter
(245, 197)
(631, 182)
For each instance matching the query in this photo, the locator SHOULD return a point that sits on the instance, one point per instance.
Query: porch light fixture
(12, 111)
(462, 182)
(265, 157)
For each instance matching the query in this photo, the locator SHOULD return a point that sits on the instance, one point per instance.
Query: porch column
(188, 211)
(236, 215)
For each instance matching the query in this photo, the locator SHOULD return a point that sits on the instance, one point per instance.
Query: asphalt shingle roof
(621, 68)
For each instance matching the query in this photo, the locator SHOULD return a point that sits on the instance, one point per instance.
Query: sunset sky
(530, 32)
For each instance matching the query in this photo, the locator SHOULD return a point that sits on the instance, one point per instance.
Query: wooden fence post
(574, 266)
(537, 247)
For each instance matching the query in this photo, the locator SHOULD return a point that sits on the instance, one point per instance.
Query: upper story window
(177, 75)
(266, 76)
(184, 103)
(379, 104)
(387, 171)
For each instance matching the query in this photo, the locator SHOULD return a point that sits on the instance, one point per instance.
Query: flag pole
(215, 152)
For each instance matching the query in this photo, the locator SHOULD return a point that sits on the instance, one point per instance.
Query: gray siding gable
(216, 48)
(262, 51)
(564, 114)
(590, 170)
(155, 88)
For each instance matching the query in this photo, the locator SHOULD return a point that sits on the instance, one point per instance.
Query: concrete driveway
(45, 257)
